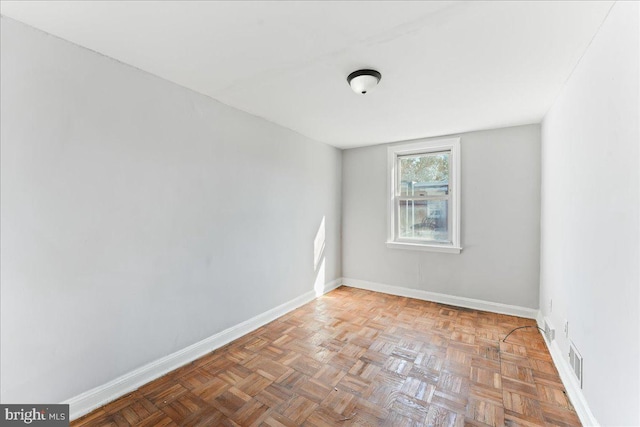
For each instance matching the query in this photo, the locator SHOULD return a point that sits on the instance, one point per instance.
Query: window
(424, 207)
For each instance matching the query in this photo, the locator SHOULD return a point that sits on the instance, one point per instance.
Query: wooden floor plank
(355, 357)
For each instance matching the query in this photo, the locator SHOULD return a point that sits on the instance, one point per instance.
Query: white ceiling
(447, 67)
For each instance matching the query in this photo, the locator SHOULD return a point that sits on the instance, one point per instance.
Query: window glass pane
(424, 219)
(424, 174)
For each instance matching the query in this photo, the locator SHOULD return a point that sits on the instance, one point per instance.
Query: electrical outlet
(566, 328)
(550, 305)
(549, 330)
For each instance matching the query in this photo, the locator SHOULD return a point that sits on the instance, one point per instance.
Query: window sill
(424, 247)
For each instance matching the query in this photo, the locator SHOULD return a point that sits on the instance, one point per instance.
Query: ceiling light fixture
(362, 81)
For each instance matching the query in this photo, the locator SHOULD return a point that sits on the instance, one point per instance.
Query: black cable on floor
(520, 327)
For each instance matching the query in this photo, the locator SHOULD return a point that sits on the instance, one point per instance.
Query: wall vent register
(576, 362)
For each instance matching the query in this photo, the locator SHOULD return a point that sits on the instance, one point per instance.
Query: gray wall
(591, 217)
(139, 217)
(500, 222)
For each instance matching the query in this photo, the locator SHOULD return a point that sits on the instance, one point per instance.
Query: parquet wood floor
(360, 358)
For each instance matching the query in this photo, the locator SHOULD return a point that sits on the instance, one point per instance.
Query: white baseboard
(88, 401)
(494, 307)
(569, 380)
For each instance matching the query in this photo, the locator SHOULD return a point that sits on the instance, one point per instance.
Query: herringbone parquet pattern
(355, 357)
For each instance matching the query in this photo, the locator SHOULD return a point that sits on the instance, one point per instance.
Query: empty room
(320, 213)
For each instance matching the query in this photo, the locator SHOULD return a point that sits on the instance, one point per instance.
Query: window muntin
(424, 203)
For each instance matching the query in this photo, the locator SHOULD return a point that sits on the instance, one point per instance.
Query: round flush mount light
(362, 81)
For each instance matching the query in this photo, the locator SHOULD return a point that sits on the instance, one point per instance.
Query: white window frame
(425, 147)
